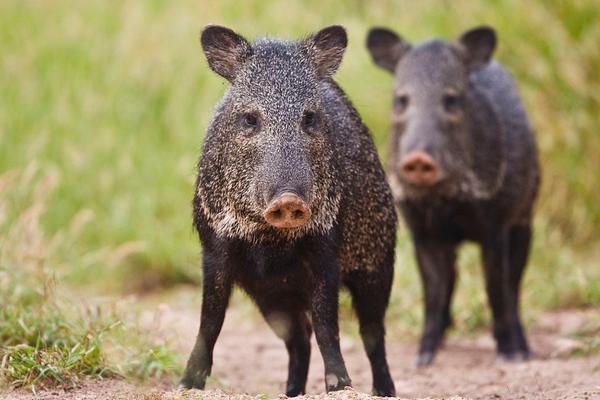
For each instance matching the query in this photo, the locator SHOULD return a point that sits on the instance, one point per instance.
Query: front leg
(324, 307)
(436, 261)
(217, 285)
(507, 328)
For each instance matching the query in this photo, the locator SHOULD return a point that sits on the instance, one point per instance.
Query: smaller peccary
(291, 203)
(463, 166)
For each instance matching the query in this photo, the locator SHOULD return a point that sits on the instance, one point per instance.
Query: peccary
(463, 166)
(291, 203)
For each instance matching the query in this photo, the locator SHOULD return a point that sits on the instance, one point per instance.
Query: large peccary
(291, 203)
(463, 166)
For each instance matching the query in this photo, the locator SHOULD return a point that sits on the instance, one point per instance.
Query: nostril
(297, 214)
(427, 168)
(276, 214)
(409, 168)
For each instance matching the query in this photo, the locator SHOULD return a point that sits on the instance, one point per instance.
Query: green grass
(586, 339)
(110, 102)
(48, 337)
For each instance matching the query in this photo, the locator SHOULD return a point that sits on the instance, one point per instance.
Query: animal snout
(287, 211)
(419, 168)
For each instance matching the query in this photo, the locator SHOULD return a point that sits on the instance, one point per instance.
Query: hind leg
(291, 324)
(450, 284)
(520, 241)
(370, 296)
(436, 265)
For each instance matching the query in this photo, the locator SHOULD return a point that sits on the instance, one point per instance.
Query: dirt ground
(251, 362)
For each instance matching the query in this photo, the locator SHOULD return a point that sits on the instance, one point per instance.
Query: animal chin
(445, 188)
(410, 190)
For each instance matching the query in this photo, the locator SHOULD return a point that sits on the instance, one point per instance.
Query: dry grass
(47, 338)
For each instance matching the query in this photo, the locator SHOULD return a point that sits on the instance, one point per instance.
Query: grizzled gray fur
(463, 166)
(291, 203)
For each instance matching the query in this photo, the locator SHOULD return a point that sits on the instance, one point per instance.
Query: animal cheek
(256, 195)
(257, 185)
(397, 133)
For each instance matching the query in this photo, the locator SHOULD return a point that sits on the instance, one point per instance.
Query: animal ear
(225, 50)
(326, 49)
(478, 45)
(386, 48)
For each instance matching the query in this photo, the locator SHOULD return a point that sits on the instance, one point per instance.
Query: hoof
(293, 391)
(512, 357)
(384, 387)
(424, 359)
(385, 392)
(190, 383)
(335, 383)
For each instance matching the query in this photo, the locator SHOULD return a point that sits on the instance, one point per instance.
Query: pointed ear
(386, 48)
(325, 49)
(225, 50)
(478, 46)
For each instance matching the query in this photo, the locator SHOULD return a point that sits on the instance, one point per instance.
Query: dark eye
(249, 120)
(452, 102)
(401, 102)
(309, 120)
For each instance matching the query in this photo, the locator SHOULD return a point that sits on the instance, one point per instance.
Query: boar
(463, 167)
(291, 204)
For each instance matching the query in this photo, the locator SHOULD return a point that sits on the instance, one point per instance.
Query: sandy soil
(250, 359)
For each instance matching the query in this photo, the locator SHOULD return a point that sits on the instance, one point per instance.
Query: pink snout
(419, 168)
(287, 211)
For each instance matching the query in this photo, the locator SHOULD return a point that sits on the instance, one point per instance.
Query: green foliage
(587, 338)
(155, 363)
(46, 338)
(56, 365)
(589, 345)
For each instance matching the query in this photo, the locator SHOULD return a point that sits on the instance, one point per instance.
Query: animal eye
(309, 119)
(452, 102)
(401, 102)
(249, 120)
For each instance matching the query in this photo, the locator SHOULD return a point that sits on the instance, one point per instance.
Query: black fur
(485, 149)
(293, 275)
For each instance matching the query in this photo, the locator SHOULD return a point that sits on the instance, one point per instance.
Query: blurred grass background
(113, 99)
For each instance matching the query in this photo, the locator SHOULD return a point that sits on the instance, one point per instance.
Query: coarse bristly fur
(461, 108)
(284, 125)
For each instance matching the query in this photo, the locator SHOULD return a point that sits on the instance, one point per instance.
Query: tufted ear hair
(326, 49)
(478, 46)
(386, 48)
(225, 50)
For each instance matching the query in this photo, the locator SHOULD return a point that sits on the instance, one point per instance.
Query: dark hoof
(334, 382)
(293, 391)
(384, 386)
(191, 382)
(186, 384)
(424, 359)
(512, 357)
(389, 391)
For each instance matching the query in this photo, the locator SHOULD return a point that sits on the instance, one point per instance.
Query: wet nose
(287, 211)
(419, 168)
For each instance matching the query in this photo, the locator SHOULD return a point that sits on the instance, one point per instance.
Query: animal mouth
(418, 190)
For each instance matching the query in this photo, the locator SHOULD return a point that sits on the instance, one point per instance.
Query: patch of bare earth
(250, 360)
